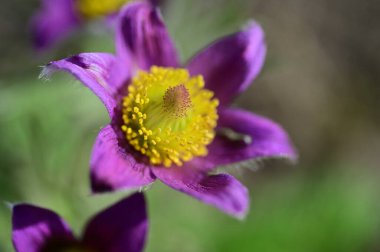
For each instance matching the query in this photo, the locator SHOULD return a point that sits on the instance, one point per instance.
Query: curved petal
(221, 191)
(232, 63)
(53, 22)
(112, 168)
(142, 35)
(267, 139)
(121, 227)
(34, 228)
(94, 71)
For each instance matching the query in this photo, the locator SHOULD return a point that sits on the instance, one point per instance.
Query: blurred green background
(321, 82)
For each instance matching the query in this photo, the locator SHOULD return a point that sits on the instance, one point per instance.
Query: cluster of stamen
(168, 116)
(96, 8)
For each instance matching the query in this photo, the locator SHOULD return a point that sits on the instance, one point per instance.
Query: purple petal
(267, 139)
(94, 71)
(142, 36)
(155, 2)
(221, 191)
(120, 228)
(34, 228)
(53, 22)
(232, 63)
(112, 168)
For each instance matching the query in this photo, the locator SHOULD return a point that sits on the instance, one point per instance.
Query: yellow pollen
(168, 116)
(96, 8)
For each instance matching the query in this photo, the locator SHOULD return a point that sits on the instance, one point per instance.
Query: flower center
(96, 8)
(168, 116)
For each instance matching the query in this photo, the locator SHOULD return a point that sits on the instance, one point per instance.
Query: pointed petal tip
(9, 205)
(142, 36)
(241, 216)
(47, 71)
(99, 186)
(230, 64)
(121, 227)
(112, 168)
(222, 191)
(292, 156)
(253, 25)
(92, 70)
(255, 32)
(269, 139)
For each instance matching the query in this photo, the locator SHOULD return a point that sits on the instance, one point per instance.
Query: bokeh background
(321, 81)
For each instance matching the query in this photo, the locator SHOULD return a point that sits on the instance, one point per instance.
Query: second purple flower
(56, 19)
(119, 228)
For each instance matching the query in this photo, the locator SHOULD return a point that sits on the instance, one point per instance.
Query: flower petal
(221, 191)
(112, 168)
(142, 35)
(232, 63)
(120, 228)
(34, 228)
(53, 22)
(267, 139)
(94, 71)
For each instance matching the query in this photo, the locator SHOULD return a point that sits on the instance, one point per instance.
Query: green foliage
(297, 213)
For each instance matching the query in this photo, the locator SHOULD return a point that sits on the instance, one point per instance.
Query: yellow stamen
(168, 116)
(96, 8)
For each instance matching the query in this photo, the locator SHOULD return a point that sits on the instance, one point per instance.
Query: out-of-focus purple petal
(53, 22)
(34, 227)
(232, 63)
(155, 2)
(122, 227)
(95, 71)
(112, 168)
(141, 35)
(267, 139)
(221, 191)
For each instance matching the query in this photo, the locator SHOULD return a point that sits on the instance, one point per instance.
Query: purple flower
(56, 19)
(170, 123)
(120, 228)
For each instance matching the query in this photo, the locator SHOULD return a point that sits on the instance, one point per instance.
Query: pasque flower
(168, 121)
(57, 18)
(120, 228)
